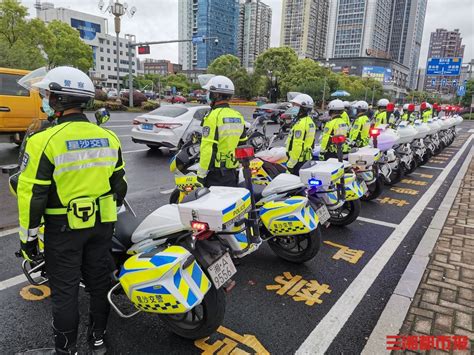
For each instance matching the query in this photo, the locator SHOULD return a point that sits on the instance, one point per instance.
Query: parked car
(271, 111)
(164, 127)
(177, 99)
(112, 94)
(150, 94)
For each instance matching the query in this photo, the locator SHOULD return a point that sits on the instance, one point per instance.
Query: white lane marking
(124, 135)
(374, 221)
(9, 231)
(118, 126)
(12, 282)
(135, 151)
(329, 327)
(471, 131)
(431, 167)
(165, 192)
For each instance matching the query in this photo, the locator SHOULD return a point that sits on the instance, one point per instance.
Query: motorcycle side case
(364, 157)
(354, 189)
(168, 281)
(292, 216)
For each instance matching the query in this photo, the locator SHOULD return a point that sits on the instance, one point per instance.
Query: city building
(93, 31)
(392, 75)
(304, 26)
(444, 44)
(255, 22)
(192, 74)
(420, 80)
(358, 28)
(160, 66)
(406, 32)
(201, 19)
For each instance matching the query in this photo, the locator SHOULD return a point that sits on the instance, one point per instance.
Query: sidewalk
(444, 301)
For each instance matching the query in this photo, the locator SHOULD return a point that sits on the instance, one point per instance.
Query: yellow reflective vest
(360, 131)
(337, 126)
(346, 118)
(75, 158)
(222, 131)
(381, 118)
(427, 114)
(300, 141)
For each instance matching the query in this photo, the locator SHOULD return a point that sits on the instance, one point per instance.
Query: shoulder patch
(326, 129)
(356, 126)
(205, 131)
(24, 161)
(311, 125)
(298, 134)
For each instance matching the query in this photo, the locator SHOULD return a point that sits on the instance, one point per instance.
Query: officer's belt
(56, 211)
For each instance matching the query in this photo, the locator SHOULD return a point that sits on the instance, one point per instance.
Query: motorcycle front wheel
(396, 175)
(346, 214)
(408, 169)
(202, 320)
(297, 248)
(374, 190)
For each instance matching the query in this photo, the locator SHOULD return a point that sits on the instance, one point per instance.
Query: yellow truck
(18, 106)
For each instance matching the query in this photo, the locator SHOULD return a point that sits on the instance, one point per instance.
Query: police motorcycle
(422, 152)
(288, 225)
(406, 133)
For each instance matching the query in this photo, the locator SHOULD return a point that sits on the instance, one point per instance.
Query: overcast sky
(158, 20)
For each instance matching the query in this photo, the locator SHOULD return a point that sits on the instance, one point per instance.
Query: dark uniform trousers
(222, 177)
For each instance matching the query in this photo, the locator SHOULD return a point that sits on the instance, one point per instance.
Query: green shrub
(98, 104)
(100, 95)
(115, 106)
(150, 105)
(138, 98)
(468, 116)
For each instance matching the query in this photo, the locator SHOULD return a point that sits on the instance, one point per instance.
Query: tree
(227, 65)
(179, 81)
(467, 98)
(278, 60)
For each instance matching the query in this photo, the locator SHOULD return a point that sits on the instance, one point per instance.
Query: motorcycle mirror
(102, 116)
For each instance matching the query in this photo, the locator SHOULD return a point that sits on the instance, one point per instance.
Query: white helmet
(405, 107)
(66, 81)
(336, 105)
(347, 104)
(382, 103)
(361, 105)
(220, 84)
(303, 100)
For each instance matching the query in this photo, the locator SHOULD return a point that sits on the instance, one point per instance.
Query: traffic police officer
(222, 132)
(345, 114)
(381, 114)
(408, 113)
(426, 111)
(300, 141)
(73, 175)
(335, 127)
(359, 133)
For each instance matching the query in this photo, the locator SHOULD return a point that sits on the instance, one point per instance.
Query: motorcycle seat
(126, 224)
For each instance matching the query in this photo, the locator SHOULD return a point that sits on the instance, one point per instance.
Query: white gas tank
(162, 221)
(433, 126)
(282, 183)
(387, 138)
(273, 155)
(422, 129)
(406, 132)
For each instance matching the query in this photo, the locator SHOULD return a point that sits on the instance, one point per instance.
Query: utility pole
(131, 38)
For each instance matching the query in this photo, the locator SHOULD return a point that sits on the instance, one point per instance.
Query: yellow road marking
(427, 176)
(414, 182)
(229, 345)
(345, 253)
(401, 190)
(307, 291)
(26, 293)
(437, 161)
(393, 201)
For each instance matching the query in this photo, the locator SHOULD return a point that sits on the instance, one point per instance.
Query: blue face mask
(46, 108)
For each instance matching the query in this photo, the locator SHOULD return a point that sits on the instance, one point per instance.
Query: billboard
(87, 30)
(382, 74)
(444, 66)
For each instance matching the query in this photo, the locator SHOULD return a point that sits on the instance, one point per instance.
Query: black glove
(29, 250)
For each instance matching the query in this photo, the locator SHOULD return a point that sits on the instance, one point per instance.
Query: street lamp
(118, 10)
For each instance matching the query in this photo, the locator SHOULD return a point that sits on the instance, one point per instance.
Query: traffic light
(143, 49)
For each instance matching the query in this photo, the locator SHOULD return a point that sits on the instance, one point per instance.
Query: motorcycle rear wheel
(374, 190)
(346, 214)
(202, 320)
(297, 248)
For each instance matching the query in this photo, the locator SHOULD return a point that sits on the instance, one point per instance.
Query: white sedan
(165, 126)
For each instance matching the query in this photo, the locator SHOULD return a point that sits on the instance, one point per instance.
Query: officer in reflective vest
(335, 127)
(425, 111)
(359, 133)
(300, 141)
(409, 113)
(73, 175)
(381, 114)
(222, 132)
(345, 114)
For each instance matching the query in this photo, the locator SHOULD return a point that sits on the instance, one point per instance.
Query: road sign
(443, 82)
(198, 39)
(143, 49)
(433, 82)
(455, 83)
(462, 90)
(444, 66)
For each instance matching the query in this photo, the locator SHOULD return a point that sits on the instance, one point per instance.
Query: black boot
(97, 342)
(65, 342)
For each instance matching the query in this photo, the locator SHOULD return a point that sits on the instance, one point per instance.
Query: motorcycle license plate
(222, 270)
(147, 126)
(323, 214)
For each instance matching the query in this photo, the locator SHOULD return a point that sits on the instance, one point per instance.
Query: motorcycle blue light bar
(315, 182)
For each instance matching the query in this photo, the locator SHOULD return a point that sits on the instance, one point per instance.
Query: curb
(396, 309)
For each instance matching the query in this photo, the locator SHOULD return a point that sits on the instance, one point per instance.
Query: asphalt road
(280, 323)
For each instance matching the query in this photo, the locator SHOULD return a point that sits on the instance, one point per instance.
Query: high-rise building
(358, 28)
(406, 32)
(93, 31)
(205, 19)
(444, 44)
(255, 22)
(304, 27)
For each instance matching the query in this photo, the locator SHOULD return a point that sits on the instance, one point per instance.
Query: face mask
(208, 97)
(46, 108)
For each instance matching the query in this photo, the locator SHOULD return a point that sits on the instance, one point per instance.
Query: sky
(157, 20)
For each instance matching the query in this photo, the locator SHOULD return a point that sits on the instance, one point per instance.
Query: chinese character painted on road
(301, 290)
(414, 182)
(393, 201)
(401, 190)
(233, 343)
(345, 253)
